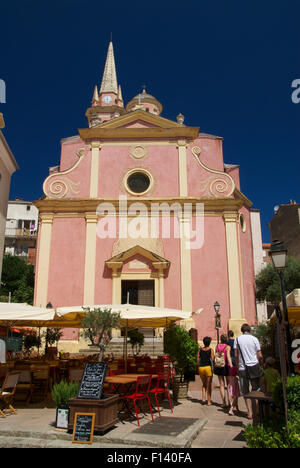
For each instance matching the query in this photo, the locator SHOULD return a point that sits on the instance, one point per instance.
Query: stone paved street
(190, 425)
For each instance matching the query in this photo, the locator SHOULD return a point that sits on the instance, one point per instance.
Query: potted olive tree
(30, 342)
(183, 350)
(97, 327)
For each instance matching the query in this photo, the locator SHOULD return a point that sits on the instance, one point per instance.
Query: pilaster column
(95, 147)
(90, 258)
(42, 274)
(235, 279)
(185, 261)
(161, 287)
(182, 167)
(116, 282)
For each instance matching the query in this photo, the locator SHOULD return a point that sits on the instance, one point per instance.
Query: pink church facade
(142, 207)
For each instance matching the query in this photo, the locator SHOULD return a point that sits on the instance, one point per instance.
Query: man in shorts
(249, 347)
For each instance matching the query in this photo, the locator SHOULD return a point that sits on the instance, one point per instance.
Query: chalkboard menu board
(83, 429)
(91, 385)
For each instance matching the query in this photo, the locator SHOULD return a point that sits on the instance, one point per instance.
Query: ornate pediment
(139, 124)
(117, 261)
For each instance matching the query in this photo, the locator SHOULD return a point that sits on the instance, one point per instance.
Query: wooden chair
(3, 372)
(7, 393)
(41, 376)
(24, 386)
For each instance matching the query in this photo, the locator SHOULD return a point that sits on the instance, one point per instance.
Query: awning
(293, 306)
(15, 314)
(133, 316)
(23, 330)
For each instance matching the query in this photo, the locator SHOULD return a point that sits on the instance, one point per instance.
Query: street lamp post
(217, 320)
(278, 255)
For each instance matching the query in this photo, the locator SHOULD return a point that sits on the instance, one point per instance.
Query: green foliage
(31, 341)
(292, 394)
(62, 392)
(182, 348)
(294, 427)
(268, 282)
(136, 340)
(265, 437)
(273, 433)
(264, 332)
(17, 279)
(97, 327)
(52, 336)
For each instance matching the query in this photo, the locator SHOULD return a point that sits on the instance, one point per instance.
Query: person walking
(205, 361)
(249, 357)
(271, 375)
(221, 368)
(234, 389)
(230, 343)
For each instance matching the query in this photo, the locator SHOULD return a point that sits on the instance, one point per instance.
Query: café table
(121, 384)
(263, 401)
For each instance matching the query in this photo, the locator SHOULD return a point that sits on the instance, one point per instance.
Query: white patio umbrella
(24, 315)
(132, 316)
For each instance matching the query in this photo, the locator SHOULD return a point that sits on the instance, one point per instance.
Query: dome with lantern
(146, 102)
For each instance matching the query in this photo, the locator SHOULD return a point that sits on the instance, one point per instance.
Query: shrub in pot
(61, 394)
(179, 345)
(29, 342)
(136, 340)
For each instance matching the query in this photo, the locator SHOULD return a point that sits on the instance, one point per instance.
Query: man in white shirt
(248, 353)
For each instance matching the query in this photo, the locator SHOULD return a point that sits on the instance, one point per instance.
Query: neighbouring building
(8, 166)
(266, 256)
(285, 227)
(104, 235)
(21, 229)
(259, 259)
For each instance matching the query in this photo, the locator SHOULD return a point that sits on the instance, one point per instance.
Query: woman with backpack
(222, 366)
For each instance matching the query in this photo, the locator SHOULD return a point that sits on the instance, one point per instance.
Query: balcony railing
(20, 232)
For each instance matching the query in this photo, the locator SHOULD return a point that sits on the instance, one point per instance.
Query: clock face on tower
(107, 99)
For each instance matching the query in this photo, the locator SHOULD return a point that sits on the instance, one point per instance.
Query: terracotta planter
(106, 411)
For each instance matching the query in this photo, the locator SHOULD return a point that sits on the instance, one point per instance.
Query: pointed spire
(109, 80)
(95, 96)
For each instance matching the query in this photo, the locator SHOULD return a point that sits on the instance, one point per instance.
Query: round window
(138, 182)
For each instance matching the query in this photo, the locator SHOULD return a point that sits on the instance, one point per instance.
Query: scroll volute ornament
(57, 185)
(219, 185)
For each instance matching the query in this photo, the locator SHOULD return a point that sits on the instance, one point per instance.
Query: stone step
(152, 347)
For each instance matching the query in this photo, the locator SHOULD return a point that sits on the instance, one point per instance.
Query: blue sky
(227, 66)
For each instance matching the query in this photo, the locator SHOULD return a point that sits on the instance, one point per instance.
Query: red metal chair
(162, 387)
(141, 393)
